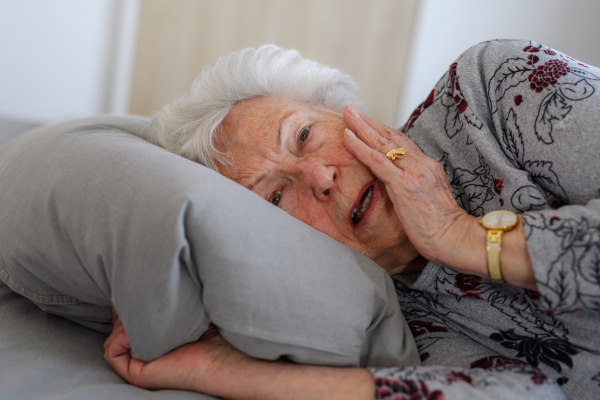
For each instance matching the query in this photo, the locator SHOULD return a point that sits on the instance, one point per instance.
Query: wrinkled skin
(318, 179)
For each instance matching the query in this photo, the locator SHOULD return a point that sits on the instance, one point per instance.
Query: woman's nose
(321, 179)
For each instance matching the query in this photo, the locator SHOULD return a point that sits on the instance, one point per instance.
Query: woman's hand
(211, 357)
(417, 185)
(211, 365)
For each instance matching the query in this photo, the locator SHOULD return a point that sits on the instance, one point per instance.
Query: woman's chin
(381, 232)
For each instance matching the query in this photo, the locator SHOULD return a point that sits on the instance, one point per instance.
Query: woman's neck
(401, 259)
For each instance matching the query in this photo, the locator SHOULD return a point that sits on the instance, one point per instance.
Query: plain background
(71, 58)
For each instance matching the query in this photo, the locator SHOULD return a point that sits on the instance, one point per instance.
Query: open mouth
(357, 214)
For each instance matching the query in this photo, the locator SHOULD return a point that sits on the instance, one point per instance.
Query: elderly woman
(485, 209)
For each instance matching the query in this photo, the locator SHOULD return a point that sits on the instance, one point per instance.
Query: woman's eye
(303, 135)
(276, 198)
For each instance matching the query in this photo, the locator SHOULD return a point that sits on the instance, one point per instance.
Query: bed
(339, 308)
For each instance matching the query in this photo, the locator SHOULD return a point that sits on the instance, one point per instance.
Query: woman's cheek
(338, 153)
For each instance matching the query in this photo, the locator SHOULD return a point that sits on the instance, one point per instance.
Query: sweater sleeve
(532, 116)
(515, 125)
(545, 110)
(564, 246)
(438, 383)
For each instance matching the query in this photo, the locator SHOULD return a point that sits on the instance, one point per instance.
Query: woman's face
(292, 154)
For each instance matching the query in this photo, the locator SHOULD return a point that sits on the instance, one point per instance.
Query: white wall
(444, 29)
(71, 58)
(64, 58)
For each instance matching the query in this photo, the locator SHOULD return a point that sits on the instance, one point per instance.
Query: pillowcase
(93, 215)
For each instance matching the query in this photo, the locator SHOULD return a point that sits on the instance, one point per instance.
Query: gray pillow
(93, 215)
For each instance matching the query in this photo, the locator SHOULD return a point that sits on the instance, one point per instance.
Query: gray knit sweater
(516, 126)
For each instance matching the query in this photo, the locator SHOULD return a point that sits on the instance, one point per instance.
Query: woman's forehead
(269, 107)
(254, 132)
(260, 117)
(248, 133)
(251, 124)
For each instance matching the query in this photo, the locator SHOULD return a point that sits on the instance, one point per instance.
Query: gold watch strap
(493, 254)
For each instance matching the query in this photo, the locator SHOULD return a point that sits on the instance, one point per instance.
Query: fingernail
(350, 133)
(353, 110)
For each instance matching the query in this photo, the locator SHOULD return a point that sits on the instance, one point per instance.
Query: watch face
(499, 219)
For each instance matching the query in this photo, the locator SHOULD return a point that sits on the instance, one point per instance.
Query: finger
(386, 131)
(383, 130)
(117, 330)
(369, 135)
(118, 357)
(356, 120)
(377, 162)
(118, 346)
(116, 353)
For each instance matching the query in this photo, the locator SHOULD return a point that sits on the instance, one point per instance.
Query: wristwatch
(497, 222)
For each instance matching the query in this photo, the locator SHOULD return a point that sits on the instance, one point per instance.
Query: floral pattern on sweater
(515, 126)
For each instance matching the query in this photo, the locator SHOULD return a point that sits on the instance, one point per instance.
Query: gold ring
(397, 153)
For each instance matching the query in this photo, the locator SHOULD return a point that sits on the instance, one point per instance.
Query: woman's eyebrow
(257, 181)
(282, 122)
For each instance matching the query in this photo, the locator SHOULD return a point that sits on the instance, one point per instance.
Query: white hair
(187, 126)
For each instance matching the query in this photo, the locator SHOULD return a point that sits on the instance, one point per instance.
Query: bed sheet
(43, 356)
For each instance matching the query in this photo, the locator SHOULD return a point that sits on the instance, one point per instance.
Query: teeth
(367, 201)
(364, 206)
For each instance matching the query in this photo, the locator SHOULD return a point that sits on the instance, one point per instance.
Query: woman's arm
(211, 365)
(515, 125)
(439, 229)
